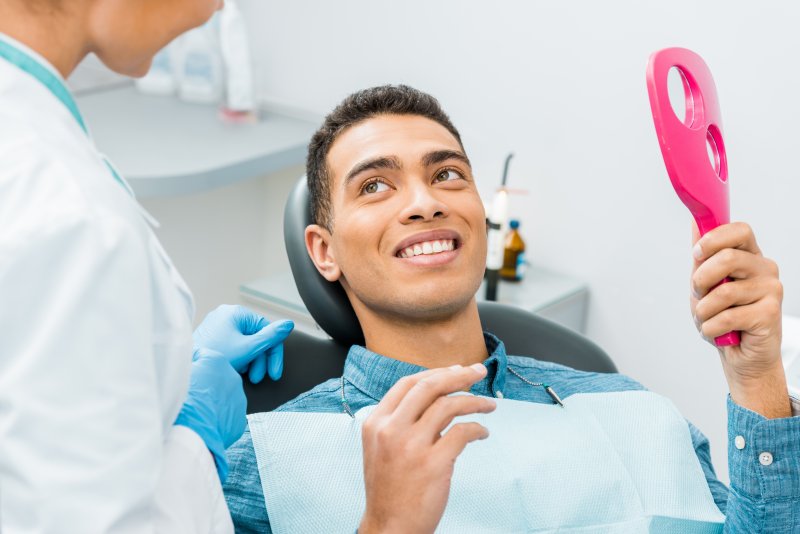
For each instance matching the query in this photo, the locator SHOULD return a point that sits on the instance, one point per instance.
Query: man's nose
(422, 204)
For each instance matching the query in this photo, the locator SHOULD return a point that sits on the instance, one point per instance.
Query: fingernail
(697, 251)
(478, 368)
(695, 293)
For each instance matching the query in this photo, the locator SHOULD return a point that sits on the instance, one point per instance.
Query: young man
(400, 225)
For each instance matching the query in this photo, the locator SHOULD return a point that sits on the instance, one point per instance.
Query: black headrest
(326, 301)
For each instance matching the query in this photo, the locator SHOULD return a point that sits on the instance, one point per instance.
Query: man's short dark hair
(358, 107)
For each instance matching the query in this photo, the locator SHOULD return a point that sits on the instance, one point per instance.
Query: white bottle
(235, 48)
(200, 66)
(160, 80)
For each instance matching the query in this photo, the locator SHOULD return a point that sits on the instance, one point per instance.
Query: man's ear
(318, 245)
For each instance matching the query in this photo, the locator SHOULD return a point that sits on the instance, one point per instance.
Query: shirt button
(739, 442)
(498, 394)
(765, 458)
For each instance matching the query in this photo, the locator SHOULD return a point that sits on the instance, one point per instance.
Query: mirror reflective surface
(680, 97)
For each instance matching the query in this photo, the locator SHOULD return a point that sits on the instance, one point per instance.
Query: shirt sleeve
(764, 464)
(243, 489)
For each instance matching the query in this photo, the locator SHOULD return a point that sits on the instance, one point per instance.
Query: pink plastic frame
(686, 144)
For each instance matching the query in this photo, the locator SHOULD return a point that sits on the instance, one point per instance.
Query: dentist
(107, 421)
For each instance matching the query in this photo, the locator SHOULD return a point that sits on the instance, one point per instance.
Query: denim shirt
(763, 455)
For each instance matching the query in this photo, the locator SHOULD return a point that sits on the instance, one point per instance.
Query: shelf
(163, 146)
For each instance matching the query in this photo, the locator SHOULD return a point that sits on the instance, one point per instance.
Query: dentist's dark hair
(356, 108)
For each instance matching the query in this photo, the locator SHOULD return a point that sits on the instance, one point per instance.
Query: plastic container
(200, 67)
(239, 86)
(514, 254)
(160, 80)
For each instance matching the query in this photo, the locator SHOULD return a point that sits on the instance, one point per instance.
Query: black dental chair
(309, 360)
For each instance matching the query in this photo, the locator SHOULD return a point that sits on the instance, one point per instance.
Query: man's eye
(447, 175)
(374, 187)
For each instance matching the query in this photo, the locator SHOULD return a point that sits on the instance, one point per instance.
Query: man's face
(409, 233)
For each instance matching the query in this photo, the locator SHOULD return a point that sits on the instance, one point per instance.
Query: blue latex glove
(215, 407)
(246, 339)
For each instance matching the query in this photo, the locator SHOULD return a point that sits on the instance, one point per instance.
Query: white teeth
(427, 247)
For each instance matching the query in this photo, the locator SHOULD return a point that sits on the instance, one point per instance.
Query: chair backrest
(309, 360)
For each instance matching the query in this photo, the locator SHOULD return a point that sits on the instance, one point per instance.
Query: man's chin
(431, 308)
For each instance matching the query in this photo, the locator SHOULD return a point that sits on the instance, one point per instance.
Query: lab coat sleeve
(82, 433)
(189, 467)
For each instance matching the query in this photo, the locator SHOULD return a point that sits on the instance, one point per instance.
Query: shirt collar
(375, 374)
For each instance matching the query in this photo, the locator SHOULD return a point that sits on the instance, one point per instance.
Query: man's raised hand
(408, 462)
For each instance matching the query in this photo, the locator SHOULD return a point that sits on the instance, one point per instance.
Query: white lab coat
(95, 342)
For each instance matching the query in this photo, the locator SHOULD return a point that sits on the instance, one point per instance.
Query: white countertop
(163, 146)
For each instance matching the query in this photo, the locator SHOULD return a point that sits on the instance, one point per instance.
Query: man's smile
(431, 248)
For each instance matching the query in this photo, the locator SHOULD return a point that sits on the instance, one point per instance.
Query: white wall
(225, 237)
(562, 84)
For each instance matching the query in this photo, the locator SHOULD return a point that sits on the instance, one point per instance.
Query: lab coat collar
(36, 65)
(374, 374)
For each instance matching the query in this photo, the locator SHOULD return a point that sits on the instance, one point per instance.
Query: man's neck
(59, 38)
(456, 339)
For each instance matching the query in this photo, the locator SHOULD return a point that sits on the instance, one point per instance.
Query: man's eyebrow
(380, 162)
(438, 156)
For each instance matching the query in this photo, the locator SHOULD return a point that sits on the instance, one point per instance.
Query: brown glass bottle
(514, 257)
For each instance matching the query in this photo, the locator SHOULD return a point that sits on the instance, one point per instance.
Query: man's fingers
(444, 409)
(734, 293)
(729, 263)
(430, 388)
(389, 402)
(736, 235)
(750, 318)
(453, 442)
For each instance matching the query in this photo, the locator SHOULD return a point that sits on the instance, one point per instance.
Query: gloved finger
(275, 356)
(202, 352)
(258, 369)
(247, 321)
(271, 335)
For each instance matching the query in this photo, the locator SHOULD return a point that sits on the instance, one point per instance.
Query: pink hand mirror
(692, 145)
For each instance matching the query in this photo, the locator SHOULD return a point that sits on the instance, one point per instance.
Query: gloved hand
(246, 339)
(215, 407)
